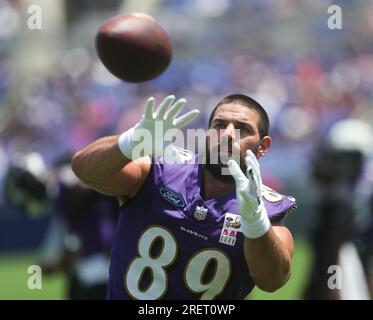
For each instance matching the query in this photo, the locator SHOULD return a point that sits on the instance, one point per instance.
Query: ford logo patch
(173, 197)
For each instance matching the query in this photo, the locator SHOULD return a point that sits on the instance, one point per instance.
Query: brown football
(134, 47)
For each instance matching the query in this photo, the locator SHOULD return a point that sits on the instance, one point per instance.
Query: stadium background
(56, 96)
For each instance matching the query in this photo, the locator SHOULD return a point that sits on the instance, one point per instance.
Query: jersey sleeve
(168, 173)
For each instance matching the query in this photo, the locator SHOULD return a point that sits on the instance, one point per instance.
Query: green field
(14, 276)
(294, 287)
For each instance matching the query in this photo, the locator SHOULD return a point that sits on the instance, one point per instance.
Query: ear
(264, 146)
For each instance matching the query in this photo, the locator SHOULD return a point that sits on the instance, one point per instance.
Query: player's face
(233, 130)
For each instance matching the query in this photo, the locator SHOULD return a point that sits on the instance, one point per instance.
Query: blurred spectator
(83, 225)
(336, 168)
(79, 238)
(364, 221)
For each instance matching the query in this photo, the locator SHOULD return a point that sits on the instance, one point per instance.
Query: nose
(229, 132)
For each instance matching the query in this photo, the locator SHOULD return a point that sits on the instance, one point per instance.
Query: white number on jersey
(194, 270)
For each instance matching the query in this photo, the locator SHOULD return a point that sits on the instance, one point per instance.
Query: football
(134, 47)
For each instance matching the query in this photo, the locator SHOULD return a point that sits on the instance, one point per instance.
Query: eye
(219, 125)
(243, 128)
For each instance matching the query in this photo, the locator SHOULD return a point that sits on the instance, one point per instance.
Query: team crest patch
(200, 213)
(232, 225)
(172, 197)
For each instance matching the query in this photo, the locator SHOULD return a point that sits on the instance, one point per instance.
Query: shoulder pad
(278, 205)
(184, 154)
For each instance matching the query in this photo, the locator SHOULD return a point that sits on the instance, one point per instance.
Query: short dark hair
(263, 125)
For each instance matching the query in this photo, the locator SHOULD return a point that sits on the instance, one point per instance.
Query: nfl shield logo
(200, 213)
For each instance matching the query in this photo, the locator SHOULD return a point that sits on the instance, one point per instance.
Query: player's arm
(103, 167)
(118, 165)
(269, 258)
(267, 249)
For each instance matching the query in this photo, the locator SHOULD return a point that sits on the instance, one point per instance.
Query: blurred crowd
(304, 91)
(279, 52)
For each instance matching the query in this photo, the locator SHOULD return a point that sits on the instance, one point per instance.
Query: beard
(216, 169)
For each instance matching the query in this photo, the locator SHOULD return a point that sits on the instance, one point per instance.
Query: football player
(188, 231)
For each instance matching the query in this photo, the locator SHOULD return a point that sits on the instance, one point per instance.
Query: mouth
(220, 153)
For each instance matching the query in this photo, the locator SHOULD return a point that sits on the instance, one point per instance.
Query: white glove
(148, 134)
(254, 218)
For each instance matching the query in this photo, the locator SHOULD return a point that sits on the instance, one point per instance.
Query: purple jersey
(172, 244)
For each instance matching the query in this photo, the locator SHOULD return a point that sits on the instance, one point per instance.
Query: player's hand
(151, 129)
(254, 218)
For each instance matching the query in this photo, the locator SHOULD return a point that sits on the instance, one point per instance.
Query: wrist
(256, 228)
(125, 143)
